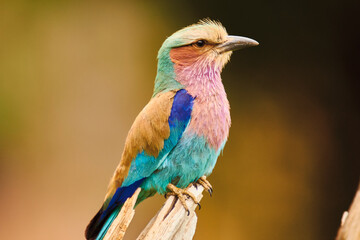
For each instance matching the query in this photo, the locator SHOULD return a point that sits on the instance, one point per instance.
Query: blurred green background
(74, 75)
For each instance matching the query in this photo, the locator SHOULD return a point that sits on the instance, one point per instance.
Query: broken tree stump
(350, 222)
(171, 222)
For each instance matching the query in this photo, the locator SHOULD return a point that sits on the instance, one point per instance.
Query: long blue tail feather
(99, 225)
(108, 223)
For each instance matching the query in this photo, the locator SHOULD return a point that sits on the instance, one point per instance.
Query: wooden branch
(170, 223)
(120, 224)
(350, 222)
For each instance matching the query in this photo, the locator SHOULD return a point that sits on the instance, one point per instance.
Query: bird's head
(195, 53)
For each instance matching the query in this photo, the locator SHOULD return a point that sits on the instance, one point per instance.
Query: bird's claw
(206, 184)
(180, 194)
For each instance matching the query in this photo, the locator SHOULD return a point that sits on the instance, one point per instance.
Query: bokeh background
(74, 75)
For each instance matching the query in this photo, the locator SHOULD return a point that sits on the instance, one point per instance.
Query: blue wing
(144, 164)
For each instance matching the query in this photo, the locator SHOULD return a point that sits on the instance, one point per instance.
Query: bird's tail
(101, 222)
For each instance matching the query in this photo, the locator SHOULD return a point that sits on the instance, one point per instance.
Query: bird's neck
(202, 81)
(165, 77)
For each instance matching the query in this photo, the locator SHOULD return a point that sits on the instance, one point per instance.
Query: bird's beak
(233, 43)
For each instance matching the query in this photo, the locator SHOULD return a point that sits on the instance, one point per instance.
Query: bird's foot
(206, 184)
(180, 194)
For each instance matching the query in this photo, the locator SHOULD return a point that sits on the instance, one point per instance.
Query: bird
(177, 137)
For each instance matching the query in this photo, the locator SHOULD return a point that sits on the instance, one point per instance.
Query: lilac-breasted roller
(178, 136)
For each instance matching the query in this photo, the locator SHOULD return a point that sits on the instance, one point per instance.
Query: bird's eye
(200, 43)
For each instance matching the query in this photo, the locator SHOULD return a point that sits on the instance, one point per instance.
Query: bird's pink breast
(210, 116)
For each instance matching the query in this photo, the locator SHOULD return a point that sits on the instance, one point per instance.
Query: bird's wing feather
(154, 133)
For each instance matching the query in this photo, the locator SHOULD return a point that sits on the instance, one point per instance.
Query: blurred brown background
(74, 75)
